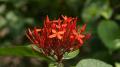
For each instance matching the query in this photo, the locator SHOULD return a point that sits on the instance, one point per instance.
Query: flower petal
(38, 30)
(64, 25)
(80, 40)
(61, 32)
(52, 36)
(81, 36)
(64, 17)
(54, 31)
(58, 26)
(47, 19)
(59, 37)
(83, 28)
(74, 32)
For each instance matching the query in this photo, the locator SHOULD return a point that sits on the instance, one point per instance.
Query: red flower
(58, 36)
(78, 36)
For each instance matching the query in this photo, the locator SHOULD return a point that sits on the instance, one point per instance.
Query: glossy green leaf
(22, 51)
(92, 63)
(71, 55)
(108, 31)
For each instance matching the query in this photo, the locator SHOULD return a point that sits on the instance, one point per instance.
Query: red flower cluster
(58, 36)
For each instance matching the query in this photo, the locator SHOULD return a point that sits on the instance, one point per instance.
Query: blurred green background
(101, 16)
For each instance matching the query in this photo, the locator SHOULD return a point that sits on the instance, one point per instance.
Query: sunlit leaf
(117, 64)
(92, 63)
(71, 55)
(107, 13)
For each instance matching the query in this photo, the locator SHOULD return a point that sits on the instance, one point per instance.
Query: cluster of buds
(58, 36)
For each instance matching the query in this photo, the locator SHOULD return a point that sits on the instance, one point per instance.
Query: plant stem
(60, 64)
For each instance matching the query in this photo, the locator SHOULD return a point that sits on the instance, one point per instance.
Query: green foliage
(56, 65)
(2, 8)
(117, 64)
(107, 13)
(92, 63)
(22, 51)
(93, 9)
(71, 55)
(2, 21)
(108, 32)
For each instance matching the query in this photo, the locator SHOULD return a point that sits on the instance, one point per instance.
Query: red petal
(38, 30)
(74, 32)
(80, 41)
(81, 36)
(59, 36)
(52, 36)
(83, 28)
(36, 35)
(72, 37)
(47, 19)
(55, 21)
(64, 25)
(58, 26)
(61, 32)
(54, 31)
(64, 17)
(69, 19)
(53, 25)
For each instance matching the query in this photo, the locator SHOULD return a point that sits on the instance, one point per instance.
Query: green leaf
(109, 33)
(92, 63)
(117, 64)
(36, 48)
(71, 55)
(2, 8)
(117, 17)
(11, 16)
(56, 64)
(107, 13)
(2, 21)
(93, 9)
(22, 51)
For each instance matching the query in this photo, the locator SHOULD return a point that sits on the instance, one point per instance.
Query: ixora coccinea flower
(58, 36)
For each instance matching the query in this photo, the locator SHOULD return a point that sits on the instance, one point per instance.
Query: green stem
(60, 65)
(56, 65)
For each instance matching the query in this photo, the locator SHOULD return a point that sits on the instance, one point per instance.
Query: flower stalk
(56, 64)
